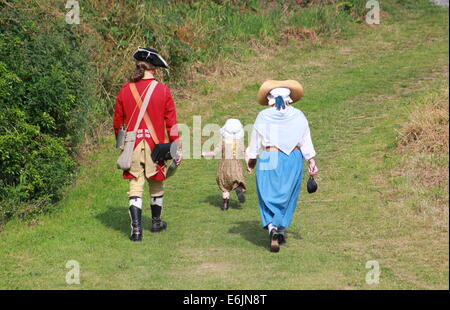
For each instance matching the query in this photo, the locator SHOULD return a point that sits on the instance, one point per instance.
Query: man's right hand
(179, 158)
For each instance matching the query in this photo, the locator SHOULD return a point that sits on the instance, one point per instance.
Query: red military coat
(162, 113)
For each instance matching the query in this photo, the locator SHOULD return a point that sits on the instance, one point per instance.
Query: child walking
(229, 172)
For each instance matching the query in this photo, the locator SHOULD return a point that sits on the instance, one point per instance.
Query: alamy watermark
(373, 276)
(73, 275)
(373, 16)
(73, 15)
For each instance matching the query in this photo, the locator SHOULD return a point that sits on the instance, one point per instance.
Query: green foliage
(194, 35)
(44, 100)
(325, 20)
(59, 81)
(356, 8)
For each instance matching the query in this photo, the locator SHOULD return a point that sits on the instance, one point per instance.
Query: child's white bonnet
(232, 129)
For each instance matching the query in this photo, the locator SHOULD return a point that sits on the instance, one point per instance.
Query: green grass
(196, 37)
(356, 97)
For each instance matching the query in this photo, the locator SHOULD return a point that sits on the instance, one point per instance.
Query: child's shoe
(240, 194)
(226, 204)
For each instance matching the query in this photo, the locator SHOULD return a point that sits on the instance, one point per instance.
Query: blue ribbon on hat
(279, 103)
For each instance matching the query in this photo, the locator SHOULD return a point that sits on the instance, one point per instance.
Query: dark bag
(252, 163)
(311, 186)
(164, 151)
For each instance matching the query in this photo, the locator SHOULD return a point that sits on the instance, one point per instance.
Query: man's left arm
(170, 117)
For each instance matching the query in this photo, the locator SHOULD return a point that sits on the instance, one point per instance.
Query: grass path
(358, 93)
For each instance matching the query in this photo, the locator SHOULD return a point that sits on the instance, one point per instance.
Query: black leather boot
(136, 228)
(157, 224)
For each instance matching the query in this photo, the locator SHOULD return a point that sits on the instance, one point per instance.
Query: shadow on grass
(116, 218)
(252, 231)
(217, 201)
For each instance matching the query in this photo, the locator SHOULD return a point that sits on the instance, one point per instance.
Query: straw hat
(295, 87)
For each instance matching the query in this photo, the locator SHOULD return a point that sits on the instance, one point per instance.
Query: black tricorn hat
(151, 56)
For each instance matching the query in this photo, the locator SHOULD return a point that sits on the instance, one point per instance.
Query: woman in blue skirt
(281, 139)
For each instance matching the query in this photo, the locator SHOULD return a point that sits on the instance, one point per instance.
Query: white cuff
(250, 154)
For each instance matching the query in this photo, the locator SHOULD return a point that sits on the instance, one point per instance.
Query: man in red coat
(161, 115)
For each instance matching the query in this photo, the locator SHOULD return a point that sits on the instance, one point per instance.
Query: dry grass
(427, 130)
(424, 148)
(298, 33)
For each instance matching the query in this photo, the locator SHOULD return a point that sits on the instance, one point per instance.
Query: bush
(44, 99)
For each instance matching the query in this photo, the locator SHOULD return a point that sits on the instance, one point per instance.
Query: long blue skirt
(278, 180)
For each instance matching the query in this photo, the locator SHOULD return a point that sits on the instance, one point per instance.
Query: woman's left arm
(308, 151)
